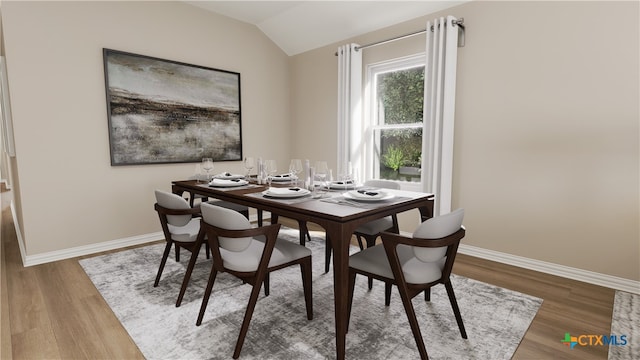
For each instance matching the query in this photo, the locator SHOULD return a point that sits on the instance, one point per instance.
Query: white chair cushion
(229, 220)
(385, 184)
(172, 201)
(374, 260)
(435, 228)
(248, 260)
(376, 226)
(187, 233)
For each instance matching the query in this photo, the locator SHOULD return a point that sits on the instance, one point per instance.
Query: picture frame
(162, 111)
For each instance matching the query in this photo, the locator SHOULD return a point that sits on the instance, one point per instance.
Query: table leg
(340, 235)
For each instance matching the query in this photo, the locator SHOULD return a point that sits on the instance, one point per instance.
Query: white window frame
(371, 121)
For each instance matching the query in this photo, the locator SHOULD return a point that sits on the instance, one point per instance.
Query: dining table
(332, 210)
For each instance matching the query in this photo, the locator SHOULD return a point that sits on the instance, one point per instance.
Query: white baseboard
(51, 256)
(587, 276)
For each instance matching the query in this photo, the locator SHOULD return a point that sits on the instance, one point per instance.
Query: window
(395, 97)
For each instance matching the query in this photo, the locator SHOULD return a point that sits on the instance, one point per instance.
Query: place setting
(367, 198)
(227, 179)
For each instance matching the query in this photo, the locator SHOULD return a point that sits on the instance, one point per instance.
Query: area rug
(626, 321)
(496, 319)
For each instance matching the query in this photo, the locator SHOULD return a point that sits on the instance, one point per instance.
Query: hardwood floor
(53, 311)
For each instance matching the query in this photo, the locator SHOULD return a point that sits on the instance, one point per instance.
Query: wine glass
(249, 163)
(207, 165)
(270, 168)
(322, 173)
(295, 168)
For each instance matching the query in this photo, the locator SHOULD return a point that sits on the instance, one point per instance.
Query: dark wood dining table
(338, 219)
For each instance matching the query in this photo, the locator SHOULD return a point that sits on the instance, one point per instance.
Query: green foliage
(393, 158)
(402, 95)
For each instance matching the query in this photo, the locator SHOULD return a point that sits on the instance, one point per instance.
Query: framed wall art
(163, 111)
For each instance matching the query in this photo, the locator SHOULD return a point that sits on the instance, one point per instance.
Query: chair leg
(305, 269)
(259, 217)
(165, 255)
(253, 299)
(304, 232)
(207, 250)
(187, 274)
(456, 310)
(360, 244)
(352, 285)
(327, 254)
(371, 241)
(266, 285)
(387, 293)
(427, 294)
(207, 294)
(411, 316)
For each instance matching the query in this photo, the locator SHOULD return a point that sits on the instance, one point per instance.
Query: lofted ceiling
(299, 26)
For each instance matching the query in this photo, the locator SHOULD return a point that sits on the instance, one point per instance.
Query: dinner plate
(368, 195)
(283, 178)
(228, 176)
(227, 183)
(286, 193)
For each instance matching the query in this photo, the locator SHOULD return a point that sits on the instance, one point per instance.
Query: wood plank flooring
(53, 311)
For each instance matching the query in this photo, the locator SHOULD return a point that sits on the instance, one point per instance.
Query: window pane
(400, 96)
(401, 154)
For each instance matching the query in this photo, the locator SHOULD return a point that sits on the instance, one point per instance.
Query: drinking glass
(271, 169)
(295, 168)
(249, 163)
(322, 174)
(207, 165)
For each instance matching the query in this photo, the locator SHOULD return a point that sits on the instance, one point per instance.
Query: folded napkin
(227, 175)
(284, 176)
(367, 194)
(285, 191)
(228, 182)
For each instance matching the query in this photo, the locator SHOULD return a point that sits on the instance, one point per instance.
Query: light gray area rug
(496, 319)
(626, 321)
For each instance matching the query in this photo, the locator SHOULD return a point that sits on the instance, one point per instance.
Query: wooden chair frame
(191, 246)
(255, 278)
(407, 291)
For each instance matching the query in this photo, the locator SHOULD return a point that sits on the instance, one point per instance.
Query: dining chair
(249, 254)
(371, 230)
(180, 225)
(414, 264)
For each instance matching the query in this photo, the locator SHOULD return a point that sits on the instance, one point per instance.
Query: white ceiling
(299, 26)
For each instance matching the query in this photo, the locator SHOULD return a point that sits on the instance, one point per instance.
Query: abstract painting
(163, 111)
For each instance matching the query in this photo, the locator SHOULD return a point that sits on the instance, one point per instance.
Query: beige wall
(546, 157)
(68, 194)
(547, 127)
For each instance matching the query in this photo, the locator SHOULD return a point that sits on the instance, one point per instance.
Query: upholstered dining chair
(249, 254)
(414, 265)
(180, 225)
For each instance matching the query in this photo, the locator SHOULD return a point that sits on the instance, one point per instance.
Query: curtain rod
(459, 22)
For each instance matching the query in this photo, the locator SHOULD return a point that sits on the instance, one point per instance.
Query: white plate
(227, 183)
(286, 193)
(380, 195)
(282, 178)
(228, 176)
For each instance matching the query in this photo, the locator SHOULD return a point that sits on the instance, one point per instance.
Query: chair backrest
(175, 202)
(435, 228)
(229, 220)
(385, 184)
